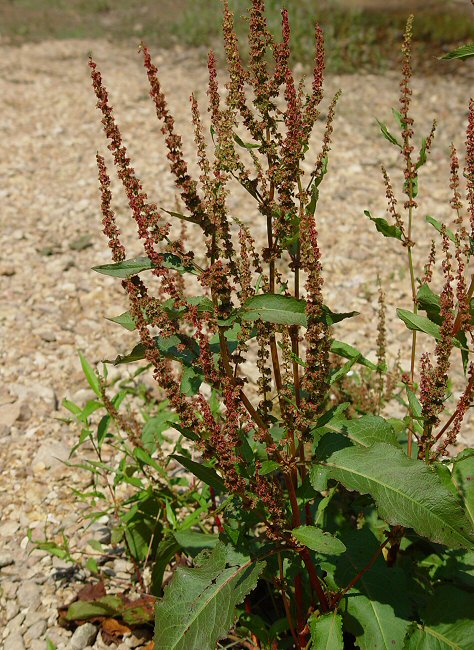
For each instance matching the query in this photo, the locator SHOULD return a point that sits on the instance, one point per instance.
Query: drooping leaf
(387, 135)
(178, 215)
(405, 490)
(429, 302)
(246, 145)
(439, 227)
(84, 609)
(423, 324)
(169, 346)
(347, 351)
(194, 542)
(318, 540)
(384, 227)
(206, 474)
(326, 632)
(198, 607)
(463, 479)
(448, 622)
(463, 52)
(127, 268)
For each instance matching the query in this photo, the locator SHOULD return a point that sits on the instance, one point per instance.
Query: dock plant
(327, 522)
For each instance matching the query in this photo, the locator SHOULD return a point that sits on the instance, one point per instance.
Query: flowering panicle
(178, 165)
(469, 168)
(259, 40)
(406, 119)
(281, 56)
(381, 339)
(429, 266)
(151, 228)
(392, 204)
(464, 403)
(110, 229)
(456, 202)
(326, 148)
(311, 112)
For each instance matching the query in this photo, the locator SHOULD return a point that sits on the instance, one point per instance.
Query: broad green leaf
(463, 479)
(127, 268)
(429, 302)
(318, 541)
(90, 375)
(422, 158)
(206, 474)
(349, 352)
(423, 324)
(366, 430)
(326, 632)
(167, 549)
(439, 226)
(448, 622)
(406, 491)
(191, 381)
(341, 372)
(284, 310)
(463, 52)
(194, 542)
(384, 227)
(377, 609)
(387, 135)
(198, 607)
(275, 308)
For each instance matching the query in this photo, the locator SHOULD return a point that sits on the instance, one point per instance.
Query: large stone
(9, 414)
(51, 454)
(83, 636)
(14, 641)
(28, 595)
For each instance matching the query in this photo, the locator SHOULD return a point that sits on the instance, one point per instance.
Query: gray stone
(51, 454)
(36, 630)
(29, 595)
(11, 609)
(10, 413)
(83, 636)
(6, 560)
(15, 624)
(14, 641)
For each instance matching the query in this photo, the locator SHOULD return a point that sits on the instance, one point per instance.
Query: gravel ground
(52, 304)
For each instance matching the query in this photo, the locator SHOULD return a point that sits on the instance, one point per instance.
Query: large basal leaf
(284, 310)
(463, 479)
(448, 622)
(326, 632)
(127, 268)
(198, 607)
(377, 609)
(423, 324)
(406, 491)
(318, 541)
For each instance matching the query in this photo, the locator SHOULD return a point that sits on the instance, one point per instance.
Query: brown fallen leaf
(92, 591)
(112, 630)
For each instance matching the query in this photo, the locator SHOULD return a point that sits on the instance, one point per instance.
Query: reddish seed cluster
(110, 229)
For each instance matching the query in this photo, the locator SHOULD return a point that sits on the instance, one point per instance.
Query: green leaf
(439, 226)
(127, 268)
(198, 607)
(275, 308)
(178, 215)
(284, 310)
(245, 145)
(463, 52)
(195, 542)
(50, 645)
(208, 475)
(429, 302)
(423, 324)
(268, 466)
(447, 622)
(463, 479)
(406, 491)
(318, 541)
(387, 135)
(191, 381)
(349, 352)
(125, 320)
(90, 375)
(167, 549)
(169, 346)
(341, 372)
(377, 609)
(422, 158)
(384, 227)
(84, 609)
(366, 430)
(326, 632)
